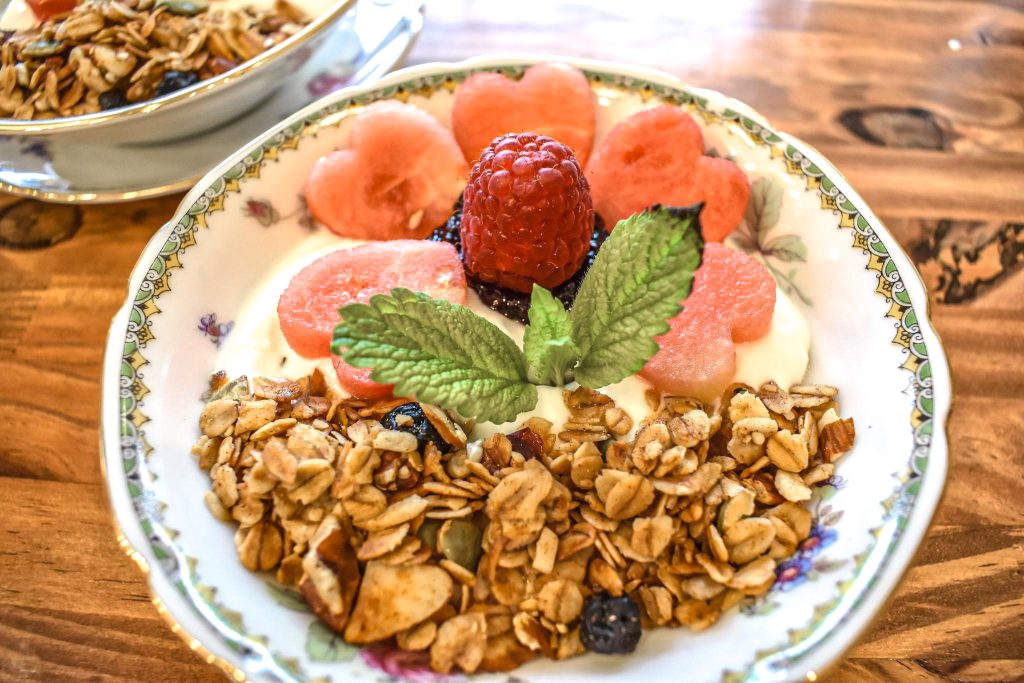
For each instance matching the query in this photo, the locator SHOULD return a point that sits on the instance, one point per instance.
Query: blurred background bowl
(164, 145)
(199, 107)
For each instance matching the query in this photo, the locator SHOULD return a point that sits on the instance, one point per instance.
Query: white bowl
(865, 303)
(199, 107)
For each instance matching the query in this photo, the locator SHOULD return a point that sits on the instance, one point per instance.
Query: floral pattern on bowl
(823, 245)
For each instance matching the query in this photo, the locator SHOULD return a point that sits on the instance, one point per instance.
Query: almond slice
(392, 599)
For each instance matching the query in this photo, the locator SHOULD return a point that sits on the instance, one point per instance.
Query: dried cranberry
(527, 442)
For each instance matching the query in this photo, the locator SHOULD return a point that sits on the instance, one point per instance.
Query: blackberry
(449, 232)
(610, 625)
(510, 303)
(174, 81)
(420, 427)
(113, 99)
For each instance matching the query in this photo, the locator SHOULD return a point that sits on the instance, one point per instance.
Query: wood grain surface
(920, 103)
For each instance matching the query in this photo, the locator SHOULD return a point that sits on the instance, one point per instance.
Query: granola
(490, 554)
(105, 54)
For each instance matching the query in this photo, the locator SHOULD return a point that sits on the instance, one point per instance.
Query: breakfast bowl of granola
(144, 71)
(523, 367)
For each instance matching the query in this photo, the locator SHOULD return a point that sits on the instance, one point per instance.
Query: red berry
(527, 215)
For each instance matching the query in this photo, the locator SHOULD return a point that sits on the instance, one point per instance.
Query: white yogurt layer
(781, 355)
(256, 345)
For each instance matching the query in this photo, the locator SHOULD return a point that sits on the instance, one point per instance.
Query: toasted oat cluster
(485, 555)
(109, 53)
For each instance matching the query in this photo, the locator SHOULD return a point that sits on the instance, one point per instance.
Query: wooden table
(920, 103)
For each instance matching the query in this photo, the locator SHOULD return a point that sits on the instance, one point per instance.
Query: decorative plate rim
(909, 524)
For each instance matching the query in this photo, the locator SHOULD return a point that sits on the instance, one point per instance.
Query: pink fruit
(397, 177)
(656, 157)
(550, 99)
(732, 301)
(725, 190)
(308, 308)
(357, 382)
(640, 153)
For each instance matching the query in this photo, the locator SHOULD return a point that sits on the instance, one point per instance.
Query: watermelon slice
(656, 157)
(550, 99)
(732, 301)
(308, 308)
(398, 177)
(357, 382)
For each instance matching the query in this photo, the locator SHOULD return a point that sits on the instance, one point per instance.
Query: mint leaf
(547, 343)
(439, 352)
(641, 274)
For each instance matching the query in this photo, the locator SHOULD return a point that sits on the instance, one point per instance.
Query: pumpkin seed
(427, 533)
(42, 48)
(736, 508)
(459, 540)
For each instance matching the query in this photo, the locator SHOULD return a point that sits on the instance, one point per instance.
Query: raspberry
(510, 303)
(527, 215)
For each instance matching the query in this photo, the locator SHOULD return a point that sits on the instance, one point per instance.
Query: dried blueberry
(174, 81)
(409, 417)
(113, 99)
(511, 304)
(610, 625)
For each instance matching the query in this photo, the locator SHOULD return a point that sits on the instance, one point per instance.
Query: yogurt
(256, 345)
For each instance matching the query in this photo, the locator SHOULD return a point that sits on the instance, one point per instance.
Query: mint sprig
(444, 353)
(547, 343)
(439, 352)
(641, 274)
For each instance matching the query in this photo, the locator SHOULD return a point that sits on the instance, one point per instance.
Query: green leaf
(786, 248)
(287, 597)
(641, 274)
(324, 645)
(547, 343)
(437, 351)
(763, 208)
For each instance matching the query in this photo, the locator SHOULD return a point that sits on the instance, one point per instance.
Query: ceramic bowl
(225, 248)
(363, 46)
(199, 107)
